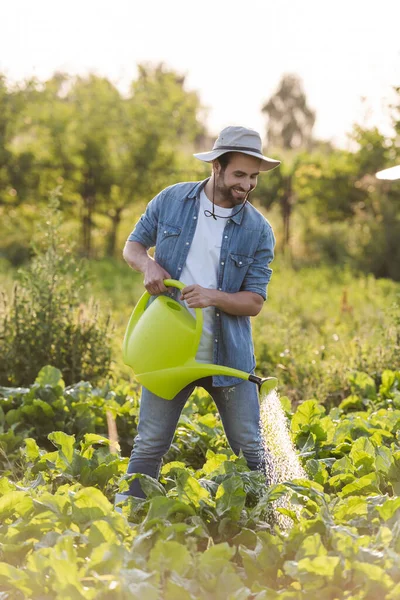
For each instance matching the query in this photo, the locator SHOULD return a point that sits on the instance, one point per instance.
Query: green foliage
(78, 409)
(108, 150)
(208, 533)
(46, 322)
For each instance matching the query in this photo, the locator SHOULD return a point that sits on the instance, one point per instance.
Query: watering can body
(161, 342)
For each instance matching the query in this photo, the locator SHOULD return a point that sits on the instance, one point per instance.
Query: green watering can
(161, 342)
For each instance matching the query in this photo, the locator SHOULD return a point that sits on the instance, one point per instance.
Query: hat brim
(266, 163)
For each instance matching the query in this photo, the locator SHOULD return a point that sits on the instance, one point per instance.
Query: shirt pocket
(238, 266)
(167, 238)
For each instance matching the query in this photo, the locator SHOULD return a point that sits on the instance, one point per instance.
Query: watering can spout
(160, 345)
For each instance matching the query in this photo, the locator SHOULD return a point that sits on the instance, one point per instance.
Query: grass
(318, 326)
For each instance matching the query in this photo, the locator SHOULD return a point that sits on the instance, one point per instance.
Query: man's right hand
(154, 276)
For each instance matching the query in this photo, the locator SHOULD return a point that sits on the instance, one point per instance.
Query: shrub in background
(46, 321)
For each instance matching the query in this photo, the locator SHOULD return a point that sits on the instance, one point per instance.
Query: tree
(290, 120)
(289, 129)
(162, 120)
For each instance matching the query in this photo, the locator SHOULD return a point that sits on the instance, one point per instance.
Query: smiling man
(207, 235)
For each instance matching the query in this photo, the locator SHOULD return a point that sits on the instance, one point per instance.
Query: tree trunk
(87, 225)
(112, 236)
(287, 202)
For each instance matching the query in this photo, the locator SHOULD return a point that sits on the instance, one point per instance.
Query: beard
(226, 193)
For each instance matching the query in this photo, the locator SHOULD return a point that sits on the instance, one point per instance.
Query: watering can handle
(198, 311)
(143, 300)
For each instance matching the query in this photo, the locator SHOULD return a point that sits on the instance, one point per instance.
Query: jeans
(238, 407)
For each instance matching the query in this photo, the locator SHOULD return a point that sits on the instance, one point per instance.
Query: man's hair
(224, 159)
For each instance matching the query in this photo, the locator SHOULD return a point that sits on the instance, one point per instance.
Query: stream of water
(283, 463)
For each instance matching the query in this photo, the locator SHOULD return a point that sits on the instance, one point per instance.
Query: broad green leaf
(31, 451)
(389, 509)
(89, 504)
(394, 473)
(215, 558)
(394, 593)
(384, 536)
(178, 588)
(108, 556)
(16, 578)
(151, 487)
(337, 482)
(56, 503)
(343, 465)
(246, 537)
(6, 486)
(170, 556)
(390, 379)
(100, 532)
(37, 409)
(366, 485)
(190, 490)
(308, 413)
(50, 376)
(214, 463)
(230, 497)
(348, 509)
(64, 442)
(383, 459)
(366, 573)
(360, 448)
(352, 402)
(320, 566)
(90, 439)
(317, 471)
(14, 502)
(363, 384)
(163, 508)
(166, 469)
(312, 546)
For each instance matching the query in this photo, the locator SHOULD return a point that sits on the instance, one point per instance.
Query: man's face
(239, 178)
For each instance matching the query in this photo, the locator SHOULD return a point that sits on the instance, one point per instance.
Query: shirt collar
(195, 193)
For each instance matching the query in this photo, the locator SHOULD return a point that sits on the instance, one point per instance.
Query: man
(208, 236)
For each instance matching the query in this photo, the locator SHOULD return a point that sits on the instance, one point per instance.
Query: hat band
(245, 148)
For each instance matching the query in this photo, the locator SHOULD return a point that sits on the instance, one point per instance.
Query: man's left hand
(197, 296)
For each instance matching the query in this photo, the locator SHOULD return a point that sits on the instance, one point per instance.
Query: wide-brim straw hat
(239, 139)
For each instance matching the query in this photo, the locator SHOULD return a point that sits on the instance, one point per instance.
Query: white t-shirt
(202, 266)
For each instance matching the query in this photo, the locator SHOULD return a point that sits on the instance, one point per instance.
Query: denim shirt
(169, 224)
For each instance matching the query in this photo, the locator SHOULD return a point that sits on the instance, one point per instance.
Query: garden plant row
(209, 528)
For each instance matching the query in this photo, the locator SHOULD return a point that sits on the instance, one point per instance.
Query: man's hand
(154, 276)
(197, 296)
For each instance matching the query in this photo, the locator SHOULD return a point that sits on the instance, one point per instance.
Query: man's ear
(216, 166)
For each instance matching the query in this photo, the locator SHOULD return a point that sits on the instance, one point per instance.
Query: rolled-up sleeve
(259, 273)
(145, 231)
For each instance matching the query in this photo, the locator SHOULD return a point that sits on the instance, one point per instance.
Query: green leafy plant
(46, 320)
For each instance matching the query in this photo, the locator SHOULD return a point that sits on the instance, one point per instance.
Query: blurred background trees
(112, 152)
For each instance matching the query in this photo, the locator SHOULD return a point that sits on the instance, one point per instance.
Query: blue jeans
(238, 407)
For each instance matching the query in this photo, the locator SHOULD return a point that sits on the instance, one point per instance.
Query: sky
(233, 53)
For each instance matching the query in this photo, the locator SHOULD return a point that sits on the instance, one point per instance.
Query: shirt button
(165, 232)
(220, 289)
(226, 237)
(194, 218)
(187, 243)
(222, 263)
(179, 268)
(215, 340)
(217, 314)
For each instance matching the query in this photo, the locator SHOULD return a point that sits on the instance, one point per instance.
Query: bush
(46, 321)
